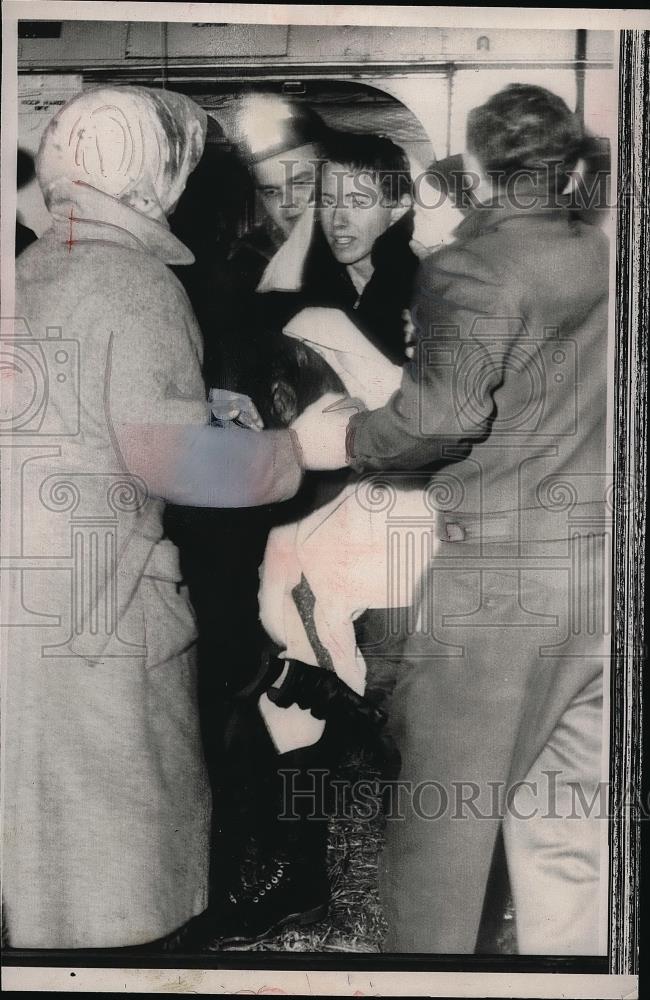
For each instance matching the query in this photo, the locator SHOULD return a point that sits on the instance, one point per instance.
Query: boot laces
(264, 885)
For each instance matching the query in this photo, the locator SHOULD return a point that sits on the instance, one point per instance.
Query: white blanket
(365, 372)
(344, 549)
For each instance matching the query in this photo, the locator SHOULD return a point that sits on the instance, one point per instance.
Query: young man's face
(286, 185)
(354, 212)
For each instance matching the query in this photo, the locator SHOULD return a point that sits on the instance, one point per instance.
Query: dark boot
(241, 796)
(284, 800)
(290, 881)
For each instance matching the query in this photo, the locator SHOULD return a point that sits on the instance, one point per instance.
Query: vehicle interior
(413, 85)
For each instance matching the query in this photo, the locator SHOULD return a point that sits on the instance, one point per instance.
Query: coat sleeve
(157, 408)
(465, 318)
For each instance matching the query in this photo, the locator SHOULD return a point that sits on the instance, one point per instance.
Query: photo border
(630, 483)
(632, 308)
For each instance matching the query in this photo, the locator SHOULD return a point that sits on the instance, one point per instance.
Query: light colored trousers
(554, 837)
(498, 686)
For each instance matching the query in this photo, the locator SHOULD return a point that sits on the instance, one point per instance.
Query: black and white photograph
(324, 348)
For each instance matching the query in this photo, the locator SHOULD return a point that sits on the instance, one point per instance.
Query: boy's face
(286, 185)
(354, 212)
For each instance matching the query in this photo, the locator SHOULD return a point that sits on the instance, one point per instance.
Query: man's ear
(576, 177)
(284, 402)
(399, 210)
(479, 189)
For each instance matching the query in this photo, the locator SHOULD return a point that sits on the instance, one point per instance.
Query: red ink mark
(70, 240)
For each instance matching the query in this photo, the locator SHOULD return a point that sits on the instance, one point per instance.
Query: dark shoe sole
(302, 919)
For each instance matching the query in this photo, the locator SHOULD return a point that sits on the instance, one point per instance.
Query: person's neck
(361, 273)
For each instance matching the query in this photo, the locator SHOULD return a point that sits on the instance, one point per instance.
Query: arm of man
(158, 412)
(460, 306)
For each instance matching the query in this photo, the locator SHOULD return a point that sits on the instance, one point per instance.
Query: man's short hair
(377, 155)
(526, 129)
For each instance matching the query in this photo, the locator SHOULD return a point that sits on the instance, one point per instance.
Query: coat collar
(394, 244)
(82, 214)
(530, 204)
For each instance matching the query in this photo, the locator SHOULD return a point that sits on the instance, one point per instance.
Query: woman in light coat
(107, 806)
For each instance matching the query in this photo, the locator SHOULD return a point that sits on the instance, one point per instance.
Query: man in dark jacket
(359, 259)
(278, 141)
(498, 711)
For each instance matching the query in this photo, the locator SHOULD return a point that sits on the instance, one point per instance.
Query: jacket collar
(325, 280)
(394, 245)
(82, 214)
(529, 203)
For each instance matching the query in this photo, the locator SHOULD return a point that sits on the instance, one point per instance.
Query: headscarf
(124, 142)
